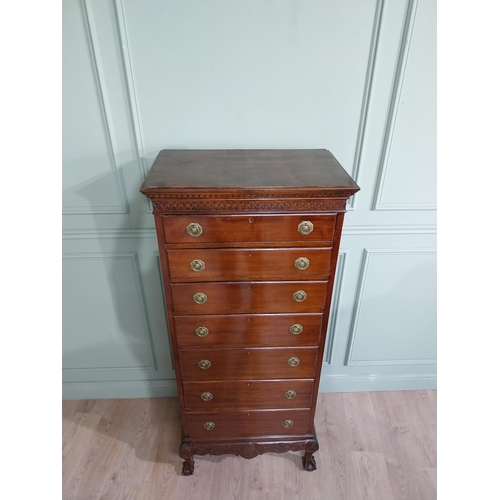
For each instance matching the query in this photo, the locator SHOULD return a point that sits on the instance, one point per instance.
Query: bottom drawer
(245, 424)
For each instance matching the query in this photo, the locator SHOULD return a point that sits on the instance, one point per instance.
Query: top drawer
(248, 228)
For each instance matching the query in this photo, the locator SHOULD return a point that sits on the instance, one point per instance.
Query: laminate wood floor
(377, 445)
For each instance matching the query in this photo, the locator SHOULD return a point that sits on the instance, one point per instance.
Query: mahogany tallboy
(248, 244)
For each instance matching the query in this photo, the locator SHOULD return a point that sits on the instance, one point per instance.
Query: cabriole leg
(188, 466)
(186, 452)
(309, 461)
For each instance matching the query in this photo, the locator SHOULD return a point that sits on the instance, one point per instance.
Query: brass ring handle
(293, 361)
(287, 423)
(299, 296)
(207, 396)
(202, 331)
(305, 227)
(296, 329)
(200, 298)
(204, 364)
(290, 394)
(302, 263)
(209, 426)
(198, 265)
(194, 229)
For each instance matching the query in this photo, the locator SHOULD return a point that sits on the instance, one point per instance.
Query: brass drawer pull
(305, 227)
(198, 265)
(302, 263)
(209, 426)
(287, 423)
(200, 298)
(296, 329)
(207, 396)
(202, 331)
(293, 361)
(298, 296)
(194, 229)
(290, 394)
(204, 364)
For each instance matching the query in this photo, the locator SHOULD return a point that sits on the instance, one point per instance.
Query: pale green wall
(357, 78)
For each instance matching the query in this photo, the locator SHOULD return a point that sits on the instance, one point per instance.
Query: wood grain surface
(247, 423)
(248, 364)
(249, 297)
(248, 394)
(254, 169)
(243, 228)
(384, 449)
(248, 330)
(250, 263)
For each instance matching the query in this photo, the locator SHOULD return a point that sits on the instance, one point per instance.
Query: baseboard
(168, 388)
(367, 383)
(119, 390)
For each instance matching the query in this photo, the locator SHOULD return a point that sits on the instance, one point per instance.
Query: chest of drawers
(248, 243)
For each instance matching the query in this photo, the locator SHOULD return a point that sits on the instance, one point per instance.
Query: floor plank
(371, 473)
(378, 445)
(407, 428)
(362, 423)
(422, 419)
(334, 453)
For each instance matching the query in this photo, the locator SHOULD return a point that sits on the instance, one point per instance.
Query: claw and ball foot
(188, 466)
(309, 462)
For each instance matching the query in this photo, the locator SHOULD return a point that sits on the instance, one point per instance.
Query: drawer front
(229, 424)
(248, 330)
(241, 228)
(293, 264)
(248, 394)
(247, 364)
(248, 297)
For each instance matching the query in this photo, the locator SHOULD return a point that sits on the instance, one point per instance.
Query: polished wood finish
(249, 297)
(249, 263)
(247, 424)
(248, 242)
(248, 364)
(310, 172)
(248, 330)
(248, 394)
(242, 228)
(129, 449)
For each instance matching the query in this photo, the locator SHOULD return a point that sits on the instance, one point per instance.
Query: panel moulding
(394, 362)
(164, 302)
(75, 234)
(95, 56)
(119, 389)
(391, 229)
(332, 320)
(131, 92)
(132, 256)
(357, 308)
(356, 168)
(130, 84)
(404, 51)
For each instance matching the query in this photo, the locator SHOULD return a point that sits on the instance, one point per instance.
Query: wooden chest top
(261, 171)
